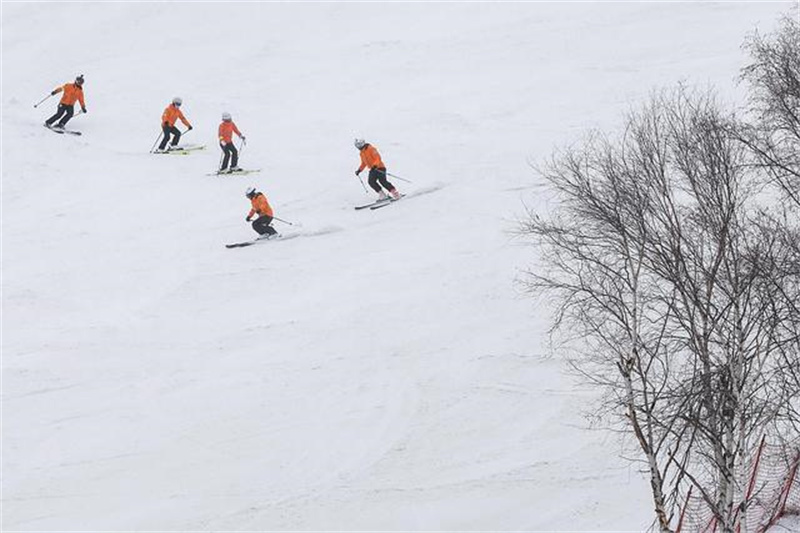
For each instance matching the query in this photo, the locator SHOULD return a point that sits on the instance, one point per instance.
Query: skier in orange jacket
(377, 170)
(225, 133)
(73, 92)
(168, 119)
(260, 207)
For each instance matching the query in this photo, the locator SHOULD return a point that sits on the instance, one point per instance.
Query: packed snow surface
(380, 371)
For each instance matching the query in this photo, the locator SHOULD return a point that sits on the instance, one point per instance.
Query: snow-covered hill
(382, 370)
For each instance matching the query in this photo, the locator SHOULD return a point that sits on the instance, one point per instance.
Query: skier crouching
(262, 208)
(73, 92)
(169, 117)
(377, 170)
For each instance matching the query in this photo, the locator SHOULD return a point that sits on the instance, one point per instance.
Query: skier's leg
(388, 185)
(68, 111)
(262, 225)
(225, 159)
(177, 136)
(258, 226)
(165, 140)
(235, 156)
(382, 179)
(59, 111)
(267, 227)
(374, 176)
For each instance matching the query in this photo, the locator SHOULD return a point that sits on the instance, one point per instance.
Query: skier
(377, 170)
(168, 119)
(226, 130)
(72, 92)
(261, 207)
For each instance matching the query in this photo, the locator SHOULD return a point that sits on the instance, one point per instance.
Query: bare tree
(597, 274)
(672, 277)
(774, 78)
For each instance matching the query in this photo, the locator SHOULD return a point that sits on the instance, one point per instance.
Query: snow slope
(381, 371)
(787, 524)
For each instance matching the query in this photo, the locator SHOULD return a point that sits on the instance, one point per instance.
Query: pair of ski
(62, 131)
(242, 172)
(188, 149)
(377, 204)
(180, 150)
(262, 238)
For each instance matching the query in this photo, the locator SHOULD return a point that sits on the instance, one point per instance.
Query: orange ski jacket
(72, 93)
(260, 206)
(226, 131)
(172, 114)
(370, 158)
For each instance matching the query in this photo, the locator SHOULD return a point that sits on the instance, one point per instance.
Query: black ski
(373, 205)
(242, 172)
(384, 204)
(253, 241)
(63, 131)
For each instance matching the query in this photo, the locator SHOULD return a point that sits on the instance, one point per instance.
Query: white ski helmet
(226, 116)
(250, 192)
(177, 100)
(360, 143)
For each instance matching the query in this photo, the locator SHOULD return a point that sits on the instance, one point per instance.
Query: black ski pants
(377, 177)
(231, 154)
(262, 225)
(64, 112)
(167, 129)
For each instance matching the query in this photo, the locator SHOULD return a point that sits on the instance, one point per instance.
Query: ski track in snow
(381, 372)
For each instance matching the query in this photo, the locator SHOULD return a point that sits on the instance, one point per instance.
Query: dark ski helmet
(250, 192)
(360, 143)
(79, 80)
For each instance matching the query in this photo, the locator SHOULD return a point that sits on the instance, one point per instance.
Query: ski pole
(362, 183)
(42, 100)
(155, 143)
(396, 176)
(241, 149)
(284, 221)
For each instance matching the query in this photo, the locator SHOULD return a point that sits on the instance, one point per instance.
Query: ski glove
(189, 128)
(358, 172)
(247, 219)
(243, 137)
(83, 110)
(54, 92)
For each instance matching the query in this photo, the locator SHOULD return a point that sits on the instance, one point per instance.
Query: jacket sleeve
(363, 161)
(183, 119)
(235, 129)
(80, 99)
(219, 134)
(58, 90)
